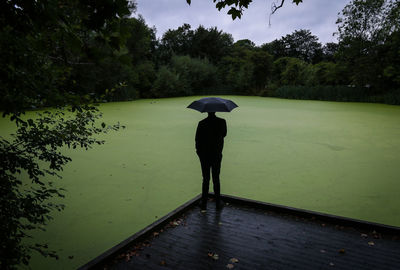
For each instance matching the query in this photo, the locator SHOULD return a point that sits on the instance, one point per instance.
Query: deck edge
(340, 220)
(344, 221)
(158, 224)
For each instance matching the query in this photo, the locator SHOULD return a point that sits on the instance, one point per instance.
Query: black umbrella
(213, 104)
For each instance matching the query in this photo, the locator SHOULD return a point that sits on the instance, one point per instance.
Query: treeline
(125, 61)
(363, 66)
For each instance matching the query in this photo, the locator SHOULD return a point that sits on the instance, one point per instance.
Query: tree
(246, 68)
(275, 48)
(292, 71)
(141, 46)
(210, 43)
(236, 68)
(43, 44)
(325, 73)
(198, 74)
(184, 76)
(369, 20)
(262, 73)
(303, 45)
(237, 6)
(365, 30)
(168, 84)
(300, 44)
(329, 50)
(177, 42)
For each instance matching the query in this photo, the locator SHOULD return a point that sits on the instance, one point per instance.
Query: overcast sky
(319, 16)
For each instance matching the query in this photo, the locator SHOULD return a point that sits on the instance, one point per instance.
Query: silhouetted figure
(210, 135)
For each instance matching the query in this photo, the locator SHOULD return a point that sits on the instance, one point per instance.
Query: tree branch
(275, 7)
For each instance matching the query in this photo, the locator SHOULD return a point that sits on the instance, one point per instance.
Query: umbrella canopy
(213, 104)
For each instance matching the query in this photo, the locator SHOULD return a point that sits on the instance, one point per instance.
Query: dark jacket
(210, 135)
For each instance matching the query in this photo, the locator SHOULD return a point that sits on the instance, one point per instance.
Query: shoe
(219, 204)
(203, 206)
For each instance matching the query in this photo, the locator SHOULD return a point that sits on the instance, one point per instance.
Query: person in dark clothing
(210, 135)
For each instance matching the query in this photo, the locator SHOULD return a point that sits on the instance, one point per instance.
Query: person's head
(211, 114)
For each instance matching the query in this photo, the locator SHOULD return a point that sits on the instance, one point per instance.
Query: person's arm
(224, 129)
(197, 138)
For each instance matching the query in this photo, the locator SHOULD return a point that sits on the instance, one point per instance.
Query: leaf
(234, 260)
(219, 5)
(371, 243)
(234, 13)
(213, 255)
(229, 266)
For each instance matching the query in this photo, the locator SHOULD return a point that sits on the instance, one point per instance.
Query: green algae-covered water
(336, 158)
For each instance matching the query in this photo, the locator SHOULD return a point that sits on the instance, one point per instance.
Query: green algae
(331, 157)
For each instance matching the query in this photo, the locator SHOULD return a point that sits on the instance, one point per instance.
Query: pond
(330, 157)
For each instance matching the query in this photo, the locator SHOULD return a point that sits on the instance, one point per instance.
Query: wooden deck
(244, 236)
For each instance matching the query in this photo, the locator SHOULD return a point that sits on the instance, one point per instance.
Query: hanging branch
(274, 7)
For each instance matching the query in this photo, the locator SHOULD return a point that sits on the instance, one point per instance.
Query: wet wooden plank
(260, 239)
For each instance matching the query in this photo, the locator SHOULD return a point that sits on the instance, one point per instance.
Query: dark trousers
(213, 164)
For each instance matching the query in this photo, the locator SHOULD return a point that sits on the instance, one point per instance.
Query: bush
(169, 84)
(392, 97)
(196, 74)
(292, 71)
(325, 92)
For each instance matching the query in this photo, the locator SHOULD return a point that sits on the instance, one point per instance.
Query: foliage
(329, 51)
(300, 44)
(131, 64)
(185, 76)
(367, 35)
(324, 92)
(176, 42)
(57, 53)
(291, 71)
(303, 45)
(168, 84)
(369, 20)
(276, 48)
(199, 74)
(238, 6)
(61, 35)
(33, 153)
(325, 73)
(209, 43)
(246, 68)
(51, 51)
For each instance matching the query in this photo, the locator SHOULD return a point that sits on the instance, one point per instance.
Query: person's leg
(216, 168)
(205, 170)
